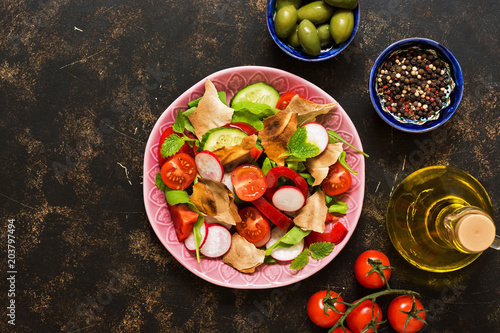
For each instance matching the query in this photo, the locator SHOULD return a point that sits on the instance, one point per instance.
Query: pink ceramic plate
(213, 270)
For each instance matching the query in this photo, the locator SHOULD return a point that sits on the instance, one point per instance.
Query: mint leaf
(179, 124)
(301, 260)
(299, 147)
(159, 182)
(321, 249)
(171, 145)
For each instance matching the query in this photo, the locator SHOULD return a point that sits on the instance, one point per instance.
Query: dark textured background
(81, 86)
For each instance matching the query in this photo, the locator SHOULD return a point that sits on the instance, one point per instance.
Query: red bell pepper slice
(275, 173)
(184, 219)
(335, 232)
(273, 214)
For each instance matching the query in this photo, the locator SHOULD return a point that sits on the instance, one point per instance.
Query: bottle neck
(468, 229)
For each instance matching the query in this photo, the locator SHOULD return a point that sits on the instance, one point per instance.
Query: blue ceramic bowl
(299, 54)
(456, 74)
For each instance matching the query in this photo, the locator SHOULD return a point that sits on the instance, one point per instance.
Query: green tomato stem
(371, 297)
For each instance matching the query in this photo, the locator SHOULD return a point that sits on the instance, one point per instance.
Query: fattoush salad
(254, 182)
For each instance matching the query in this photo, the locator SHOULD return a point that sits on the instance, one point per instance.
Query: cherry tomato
(362, 267)
(254, 227)
(397, 318)
(244, 127)
(334, 233)
(249, 182)
(337, 181)
(179, 171)
(184, 149)
(315, 309)
(184, 219)
(285, 100)
(362, 315)
(340, 330)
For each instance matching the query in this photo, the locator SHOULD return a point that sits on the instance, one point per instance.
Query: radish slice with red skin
(317, 135)
(284, 253)
(264, 240)
(218, 241)
(209, 166)
(288, 199)
(189, 242)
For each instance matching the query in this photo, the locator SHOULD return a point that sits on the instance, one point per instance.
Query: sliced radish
(288, 199)
(189, 242)
(284, 253)
(226, 180)
(317, 135)
(218, 241)
(209, 166)
(263, 241)
(211, 220)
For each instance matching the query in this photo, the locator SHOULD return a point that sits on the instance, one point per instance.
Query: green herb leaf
(334, 137)
(252, 113)
(292, 237)
(342, 161)
(222, 97)
(321, 249)
(160, 183)
(171, 145)
(299, 147)
(301, 260)
(267, 165)
(179, 124)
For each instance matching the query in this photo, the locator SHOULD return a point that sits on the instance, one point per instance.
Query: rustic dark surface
(81, 86)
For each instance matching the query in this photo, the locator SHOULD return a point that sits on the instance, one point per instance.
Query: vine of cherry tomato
(405, 314)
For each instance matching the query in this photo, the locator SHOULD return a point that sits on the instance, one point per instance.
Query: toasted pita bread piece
(306, 110)
(231, 157)
(276, 133)
(243, 255)
(215, 199)
(313, 215)
(210, 113)
(318, 166)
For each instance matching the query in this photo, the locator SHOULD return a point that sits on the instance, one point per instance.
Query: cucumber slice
(257, 93)
(220, 137)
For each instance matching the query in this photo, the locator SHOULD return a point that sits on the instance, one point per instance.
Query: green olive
(347, 4)
(308, 37)
(285, 21)
(293, 38)
(342, 25)
(282, 3)
(317, 12)
(325, 37)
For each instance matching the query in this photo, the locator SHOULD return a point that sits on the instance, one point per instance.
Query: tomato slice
(337, 181)
(184, 219)
(275, 173)
(244, 127)
(179, 171)
(285, 100)
(184, 149)
(254, 227)
(249, 182)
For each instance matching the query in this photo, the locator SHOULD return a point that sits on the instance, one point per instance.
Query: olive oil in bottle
(440, 219)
